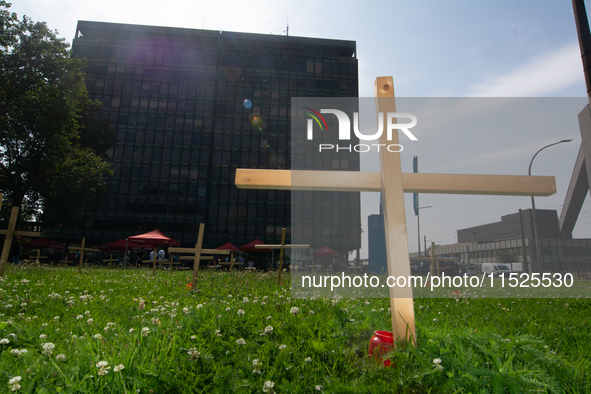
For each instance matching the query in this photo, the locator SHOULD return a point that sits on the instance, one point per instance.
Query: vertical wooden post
(154, 257)
(432, 258)
(197, 259)
(280, 266)
(401, 299)
(8, 240)
(81, 255)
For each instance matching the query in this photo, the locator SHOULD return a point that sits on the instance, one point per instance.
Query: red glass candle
(380, 344)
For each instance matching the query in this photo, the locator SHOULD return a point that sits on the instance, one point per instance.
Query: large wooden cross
(10, 232)
(393, 184)
(281, 248)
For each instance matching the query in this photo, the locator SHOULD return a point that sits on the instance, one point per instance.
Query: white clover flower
(89, 321)
(145, 331)
(118, 367)
(318, 388)
(294, 310)
(14, 351)
(240, 312)
(97, 336)
(241, 341)
(308, 359)
(199, 306)
(268, 386)
(281, 347)
(193, 337)
(103, 368)
(437, 364)
(268, 329)
(79, 317)
(22, 352)
(4, 341)
(60, 357)
(14, 383)
(185, 310)
(227, 309)
(245, 299)
(269, 317)
(131, 330)
(48, 348)
(256, 362)
(193, 353)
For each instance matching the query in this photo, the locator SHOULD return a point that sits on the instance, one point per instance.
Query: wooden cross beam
(393, 183)
(414, 182)
(281, 248)
(197, 252)
(110, 260)
(82, 249)
(10, 232)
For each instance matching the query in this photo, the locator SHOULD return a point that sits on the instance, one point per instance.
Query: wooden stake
(401, 301)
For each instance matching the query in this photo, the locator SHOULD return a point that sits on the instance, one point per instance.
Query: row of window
(191, 59)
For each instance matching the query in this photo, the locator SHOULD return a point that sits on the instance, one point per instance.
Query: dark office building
(189, 107)
(510, 228)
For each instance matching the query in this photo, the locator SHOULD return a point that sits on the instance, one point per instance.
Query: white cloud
(540, 76)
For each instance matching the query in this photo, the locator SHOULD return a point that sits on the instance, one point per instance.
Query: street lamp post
(419, 227)
(533, 207)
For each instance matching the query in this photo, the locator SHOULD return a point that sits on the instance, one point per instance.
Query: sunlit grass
(239, 330)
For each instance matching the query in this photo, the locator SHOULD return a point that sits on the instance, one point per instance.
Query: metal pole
(526, 266)
(584, 40)
(539, 256)
(419, 230)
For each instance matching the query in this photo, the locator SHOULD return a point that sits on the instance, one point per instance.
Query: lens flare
(247, 103)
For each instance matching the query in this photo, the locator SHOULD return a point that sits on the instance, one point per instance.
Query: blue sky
(433, 48)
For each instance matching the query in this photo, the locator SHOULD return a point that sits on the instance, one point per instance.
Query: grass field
(117, 331)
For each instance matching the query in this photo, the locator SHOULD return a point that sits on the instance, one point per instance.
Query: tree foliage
(507, 257)
(52, 142)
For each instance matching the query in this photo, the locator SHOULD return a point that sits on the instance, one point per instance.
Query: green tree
(52, 143)
(506, 257)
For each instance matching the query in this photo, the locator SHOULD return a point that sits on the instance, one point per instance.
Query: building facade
(478, 245)
(189, 107)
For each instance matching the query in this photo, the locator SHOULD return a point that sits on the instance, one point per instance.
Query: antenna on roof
(287, 29)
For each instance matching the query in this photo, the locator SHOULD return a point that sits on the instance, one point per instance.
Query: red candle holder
(380, 344)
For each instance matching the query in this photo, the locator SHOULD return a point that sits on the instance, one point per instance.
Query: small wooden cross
(197, 252)
(10, 232)
(281, 248)
(82, 249)
(110, 260)
(434, 260)
(393, 184)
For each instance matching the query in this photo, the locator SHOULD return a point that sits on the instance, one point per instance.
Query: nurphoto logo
(345, 130)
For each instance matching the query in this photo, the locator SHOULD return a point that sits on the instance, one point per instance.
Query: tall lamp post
(533, 207)
(419, 227)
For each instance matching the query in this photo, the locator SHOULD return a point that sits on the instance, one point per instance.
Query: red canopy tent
(250, 247)
(43, 243)
(120, 246)
(325, 251)
(227, 246)
(155, 238)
